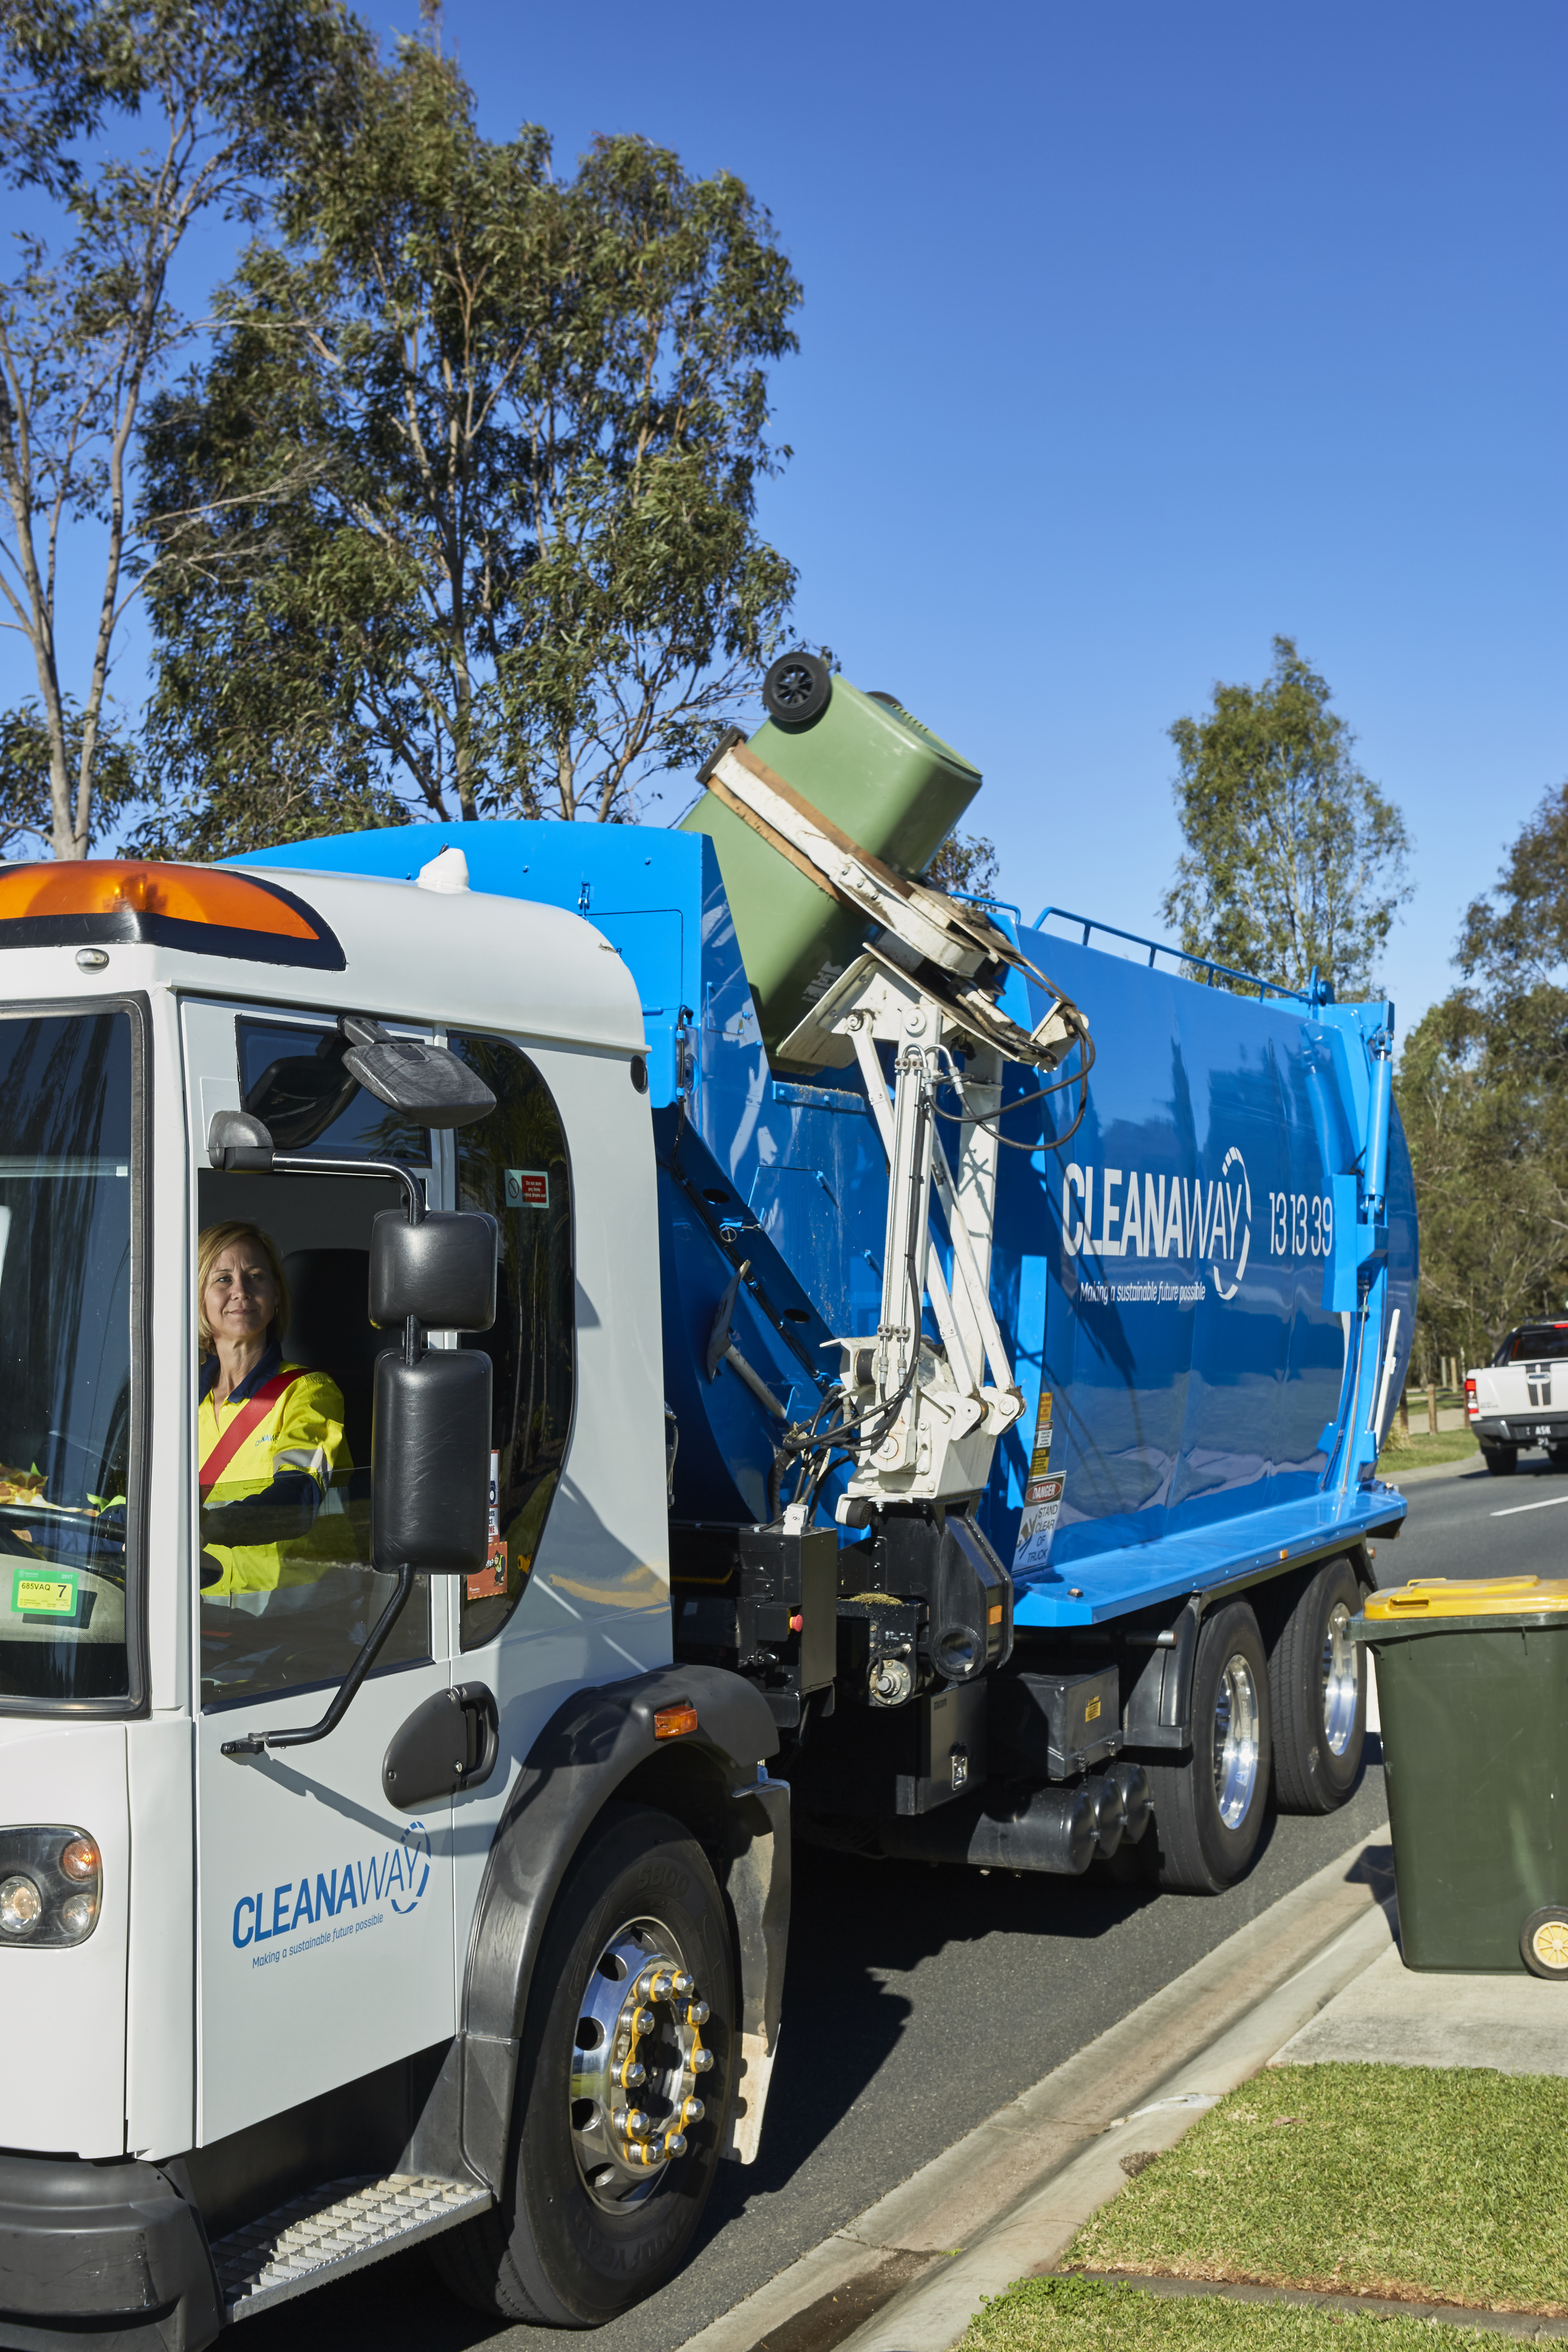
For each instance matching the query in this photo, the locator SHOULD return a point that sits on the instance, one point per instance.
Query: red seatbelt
(251, 1416)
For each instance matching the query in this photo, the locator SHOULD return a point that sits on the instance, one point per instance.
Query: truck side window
(288, 1594)
(513, 1163)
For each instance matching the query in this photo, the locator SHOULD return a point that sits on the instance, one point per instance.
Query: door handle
(449, 1743)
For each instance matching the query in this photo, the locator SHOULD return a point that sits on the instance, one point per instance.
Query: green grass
(1449, 1445)
(1096, 2316)
(1445, 2183)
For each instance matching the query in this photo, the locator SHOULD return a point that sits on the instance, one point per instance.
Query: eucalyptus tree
(459, 515)
(89, 315)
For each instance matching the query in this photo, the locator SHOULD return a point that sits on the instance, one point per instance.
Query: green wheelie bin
(1472, 1694)
(881, 777)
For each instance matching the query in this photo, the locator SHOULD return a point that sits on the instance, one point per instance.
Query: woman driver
(269, 1435)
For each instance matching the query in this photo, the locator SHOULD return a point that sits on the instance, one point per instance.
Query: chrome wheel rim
(637, 2059)
(1341, 1682)
(1235, 1729)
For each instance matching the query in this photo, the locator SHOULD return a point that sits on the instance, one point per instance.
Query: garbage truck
(799, 1345)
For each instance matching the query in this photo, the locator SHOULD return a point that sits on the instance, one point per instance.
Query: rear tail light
(52, 1887)
(1471, 1407)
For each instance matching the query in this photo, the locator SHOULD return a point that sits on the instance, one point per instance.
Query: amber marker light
(104, 902)
(81, 1860)
(674, 1722)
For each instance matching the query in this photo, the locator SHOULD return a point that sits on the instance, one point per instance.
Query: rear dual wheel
(1208, 1812)
(1317, 1686)
(622, 2087)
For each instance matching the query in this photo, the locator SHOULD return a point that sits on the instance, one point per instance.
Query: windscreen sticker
(528, 1187)
(45, 1592)
(1042, 1496)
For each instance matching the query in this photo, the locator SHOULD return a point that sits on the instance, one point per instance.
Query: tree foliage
(965, 862)
(1293, 858)
(26, 765)
(460, 517)
(1483, 1093)
(86, 318)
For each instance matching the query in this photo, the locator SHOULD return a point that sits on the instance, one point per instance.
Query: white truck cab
(493, 1952)
(1521, 1398)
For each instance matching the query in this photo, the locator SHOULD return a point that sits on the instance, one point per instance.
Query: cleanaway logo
(1130, 1213)
(337, 1902)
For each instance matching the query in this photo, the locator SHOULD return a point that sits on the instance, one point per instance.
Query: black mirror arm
(259, 1742)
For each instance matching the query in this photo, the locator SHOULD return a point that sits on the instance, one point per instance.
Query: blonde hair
(211, 1243)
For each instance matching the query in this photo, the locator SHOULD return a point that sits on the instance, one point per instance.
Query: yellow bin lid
(1481, 1596)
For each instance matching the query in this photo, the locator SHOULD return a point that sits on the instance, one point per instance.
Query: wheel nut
(700, 2060)
(681, 1984)
(697, 2013)
(644, 2022)
(675, 2142)
(692, 2111)
(634, 2075)
(638, 2124)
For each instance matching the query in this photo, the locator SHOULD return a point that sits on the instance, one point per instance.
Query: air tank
(882, 778)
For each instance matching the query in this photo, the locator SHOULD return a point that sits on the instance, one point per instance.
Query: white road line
(1514, 1509)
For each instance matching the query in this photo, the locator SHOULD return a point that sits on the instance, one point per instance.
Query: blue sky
(1132, 336)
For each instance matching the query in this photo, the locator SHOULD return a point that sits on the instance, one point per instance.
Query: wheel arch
(600, 1747)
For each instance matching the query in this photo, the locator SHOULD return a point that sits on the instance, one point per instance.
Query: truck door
(324, 1915)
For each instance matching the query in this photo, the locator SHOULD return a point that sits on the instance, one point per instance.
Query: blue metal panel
(1179, 1245)
(1197, 1278)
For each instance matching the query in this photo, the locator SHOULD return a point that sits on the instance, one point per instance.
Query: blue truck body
(1194, 1277)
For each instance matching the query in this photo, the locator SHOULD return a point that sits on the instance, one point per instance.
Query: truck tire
(1502, 1461)
(579, 2235)
(1208, 1812)
(1317, 1693)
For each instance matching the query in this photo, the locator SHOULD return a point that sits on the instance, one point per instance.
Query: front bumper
(109, 2250)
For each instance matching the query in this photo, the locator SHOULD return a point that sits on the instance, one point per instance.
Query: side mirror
(430, 1463)
(441, 1271)
(426, 1083)
(237, 1142)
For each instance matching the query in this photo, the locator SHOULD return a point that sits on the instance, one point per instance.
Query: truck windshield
(66, 1129)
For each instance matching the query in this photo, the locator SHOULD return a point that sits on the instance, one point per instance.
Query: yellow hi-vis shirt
(258, 1519)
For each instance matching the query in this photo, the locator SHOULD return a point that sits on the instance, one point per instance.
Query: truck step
(328, 2231)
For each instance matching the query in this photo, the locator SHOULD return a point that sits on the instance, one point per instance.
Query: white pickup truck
(1521, 1398)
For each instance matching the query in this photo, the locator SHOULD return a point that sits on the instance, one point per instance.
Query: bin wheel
(796, 690)
(605, 2185)
(1317, 1686)
(1502, 1461)
(1543, 1944)
(1208, 1812)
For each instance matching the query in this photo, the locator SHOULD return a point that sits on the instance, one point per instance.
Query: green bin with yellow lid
(1472, 1695)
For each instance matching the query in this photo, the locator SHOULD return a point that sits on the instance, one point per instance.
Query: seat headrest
(329, 1328)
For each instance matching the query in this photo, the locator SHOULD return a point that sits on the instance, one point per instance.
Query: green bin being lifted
(880, 776)
(1472, 1695)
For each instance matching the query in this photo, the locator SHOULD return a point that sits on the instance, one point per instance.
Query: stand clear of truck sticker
(528, 1187)
(43, 1592)
(1042, 1496)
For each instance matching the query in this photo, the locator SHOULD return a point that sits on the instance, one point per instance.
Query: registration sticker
(43, 1592)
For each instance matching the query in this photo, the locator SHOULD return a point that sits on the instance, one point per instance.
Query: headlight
(52, 1887)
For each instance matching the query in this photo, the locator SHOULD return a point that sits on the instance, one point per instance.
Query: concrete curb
(1400, 1479)
(1033, 2238)
(1136, 2086)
